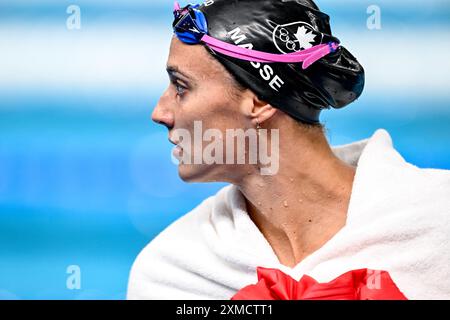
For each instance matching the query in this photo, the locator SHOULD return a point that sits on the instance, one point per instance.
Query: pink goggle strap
(308, 56)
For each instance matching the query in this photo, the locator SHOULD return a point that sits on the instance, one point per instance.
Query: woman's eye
(180, 89)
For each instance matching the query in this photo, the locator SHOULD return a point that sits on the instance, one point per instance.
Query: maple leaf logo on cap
(305, 37)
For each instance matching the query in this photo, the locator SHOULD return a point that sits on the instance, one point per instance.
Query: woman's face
(201, 97)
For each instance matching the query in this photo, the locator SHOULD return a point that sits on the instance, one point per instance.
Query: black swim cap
(285, 26)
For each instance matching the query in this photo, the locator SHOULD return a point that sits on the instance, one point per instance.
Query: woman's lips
(177, 151)
(173, 141)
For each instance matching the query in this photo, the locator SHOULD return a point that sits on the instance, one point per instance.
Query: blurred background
(87, 179)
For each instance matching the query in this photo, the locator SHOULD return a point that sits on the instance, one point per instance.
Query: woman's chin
(191, 173)
(196, 173)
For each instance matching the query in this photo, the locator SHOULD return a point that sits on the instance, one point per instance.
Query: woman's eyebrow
(174, 71)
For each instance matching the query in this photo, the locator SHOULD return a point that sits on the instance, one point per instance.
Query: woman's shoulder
(428, 188)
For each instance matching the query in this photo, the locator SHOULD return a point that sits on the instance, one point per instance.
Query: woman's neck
(305, 204)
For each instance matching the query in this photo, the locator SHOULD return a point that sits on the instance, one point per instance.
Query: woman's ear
(262, 111)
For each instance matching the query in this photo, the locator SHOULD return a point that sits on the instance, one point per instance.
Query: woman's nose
(162, 114)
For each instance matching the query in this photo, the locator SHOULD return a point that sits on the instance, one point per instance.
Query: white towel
(398, 221)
